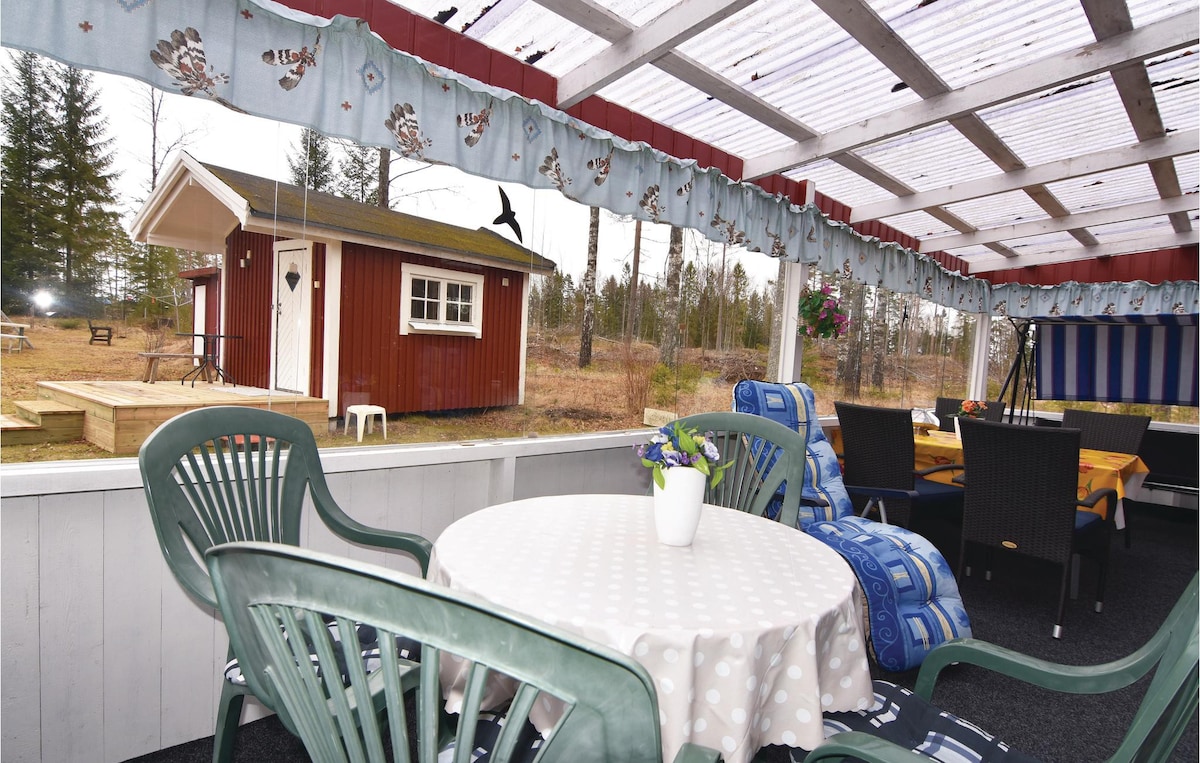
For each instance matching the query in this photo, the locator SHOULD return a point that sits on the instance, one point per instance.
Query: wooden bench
(100, 333)
(15, 334)
(152, 359)
(14, 341)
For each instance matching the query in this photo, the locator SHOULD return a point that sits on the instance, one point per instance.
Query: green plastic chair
(1170, 702)
(281, 603)
(230, 473)
(763, 455)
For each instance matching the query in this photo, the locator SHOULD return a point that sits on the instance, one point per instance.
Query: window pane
(466, 293)
(464, 313)
(432, 289)
(418, 309)
(452, 292)
(451, 311)
(418, 287)
(431, 311)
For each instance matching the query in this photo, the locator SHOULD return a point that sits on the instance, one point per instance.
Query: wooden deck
(120, 415)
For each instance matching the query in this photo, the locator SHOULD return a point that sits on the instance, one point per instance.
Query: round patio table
(749, 633)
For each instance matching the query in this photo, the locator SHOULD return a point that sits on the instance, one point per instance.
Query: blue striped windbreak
(1128, 359)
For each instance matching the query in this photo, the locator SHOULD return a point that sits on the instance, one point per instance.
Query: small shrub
(154, 336)
(638, 374)
(668, 384)
(68, 324)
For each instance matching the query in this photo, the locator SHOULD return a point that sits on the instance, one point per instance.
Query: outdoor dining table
(748, 634)
(209, 367)
(1098, 469)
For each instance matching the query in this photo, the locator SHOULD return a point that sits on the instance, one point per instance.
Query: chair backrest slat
(226, 473)
(1170, 701)
(765, 458)
(272, 595)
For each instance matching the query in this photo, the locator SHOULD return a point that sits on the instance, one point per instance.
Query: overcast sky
(552, 225)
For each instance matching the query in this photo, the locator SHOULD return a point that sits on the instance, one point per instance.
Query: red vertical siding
(421, 372)
(316, 357)
(248, 307)
(1176, 264)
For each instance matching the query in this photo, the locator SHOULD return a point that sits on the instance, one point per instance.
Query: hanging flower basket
(820, 314)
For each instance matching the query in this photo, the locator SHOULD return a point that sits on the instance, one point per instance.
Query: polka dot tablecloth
(749, 633)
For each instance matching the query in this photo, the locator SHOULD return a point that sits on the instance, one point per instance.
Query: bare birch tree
(589, 289)
(669, 347)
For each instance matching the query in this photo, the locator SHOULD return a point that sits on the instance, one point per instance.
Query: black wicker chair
(1116, 432)
(947, 407)
(878, 455)
(1021, 487)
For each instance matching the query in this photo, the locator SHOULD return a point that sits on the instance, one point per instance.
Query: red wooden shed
(347, 301)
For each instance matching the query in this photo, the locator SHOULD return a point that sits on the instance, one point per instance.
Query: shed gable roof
(269, 199)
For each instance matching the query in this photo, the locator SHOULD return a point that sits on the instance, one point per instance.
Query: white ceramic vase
(957, 431)
(677, 505)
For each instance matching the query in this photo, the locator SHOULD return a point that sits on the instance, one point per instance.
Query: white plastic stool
(364, 414)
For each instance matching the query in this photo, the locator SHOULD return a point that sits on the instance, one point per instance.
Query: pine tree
(312, 163)
(87, 228)
(358, 174)
(27, 259)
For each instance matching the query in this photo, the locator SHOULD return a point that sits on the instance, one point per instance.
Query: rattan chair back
(1021, 496)
(945, 408)
(1116, 432)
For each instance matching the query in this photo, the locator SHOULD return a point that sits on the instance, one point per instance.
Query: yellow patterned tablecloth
(1098, 469)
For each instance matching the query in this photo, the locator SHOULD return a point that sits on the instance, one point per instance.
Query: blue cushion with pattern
(903, 718)
(823, 496)
(913, 602)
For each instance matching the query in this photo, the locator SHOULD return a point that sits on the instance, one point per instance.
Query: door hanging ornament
(293, 276)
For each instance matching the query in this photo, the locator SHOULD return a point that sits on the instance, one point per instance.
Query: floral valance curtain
(342, 80)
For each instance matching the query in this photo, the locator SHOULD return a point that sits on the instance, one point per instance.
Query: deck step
(40, 421)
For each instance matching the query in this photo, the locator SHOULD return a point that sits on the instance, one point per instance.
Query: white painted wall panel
(20, 596)
(71, 540)
(82, 567)
(133, 588)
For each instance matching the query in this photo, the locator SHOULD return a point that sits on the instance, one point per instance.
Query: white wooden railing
(106, 658)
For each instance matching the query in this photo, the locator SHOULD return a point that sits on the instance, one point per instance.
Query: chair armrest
(351, 529)
(937, 468)
(861, 746)
(818, 501)
(694, 753)
(1069, 679)
(881, 492)
(1099, 495)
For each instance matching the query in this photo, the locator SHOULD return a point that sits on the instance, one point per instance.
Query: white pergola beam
(1056, 224)
(647, 43)
(1175, 144)
(608, 26)
(1113, 249)
(1154, 39)
(591, 16)
(496, 13)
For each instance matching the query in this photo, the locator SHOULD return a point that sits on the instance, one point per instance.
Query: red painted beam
(1177, 264)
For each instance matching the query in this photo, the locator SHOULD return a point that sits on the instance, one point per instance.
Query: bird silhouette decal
(507, 215)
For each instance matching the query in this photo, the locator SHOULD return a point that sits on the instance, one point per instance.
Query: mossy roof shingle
(283, 201)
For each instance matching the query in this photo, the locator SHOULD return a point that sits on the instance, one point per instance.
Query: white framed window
(440, 301)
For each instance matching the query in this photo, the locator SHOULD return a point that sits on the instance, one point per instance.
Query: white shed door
(293, 316)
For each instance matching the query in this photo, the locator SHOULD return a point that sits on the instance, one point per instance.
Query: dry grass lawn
(560, 397)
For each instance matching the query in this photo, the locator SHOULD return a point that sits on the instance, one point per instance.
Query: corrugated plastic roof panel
(796, 58)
